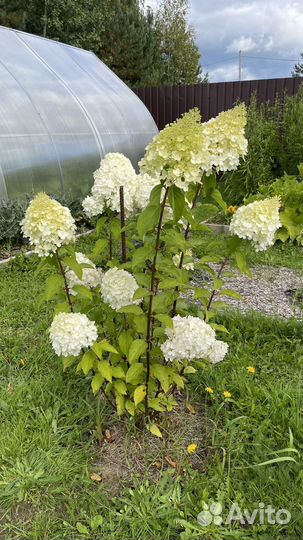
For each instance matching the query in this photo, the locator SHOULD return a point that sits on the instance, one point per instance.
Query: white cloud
(230, 72)
(244, 44)
(272, 28)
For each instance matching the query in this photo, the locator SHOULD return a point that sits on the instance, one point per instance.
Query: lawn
(54, 442)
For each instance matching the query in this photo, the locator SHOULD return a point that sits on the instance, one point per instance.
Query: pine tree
(129, 44)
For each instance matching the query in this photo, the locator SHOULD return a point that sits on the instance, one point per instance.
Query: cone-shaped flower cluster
(178, 153)
(48, 225)
(258, 222)
(226, 141)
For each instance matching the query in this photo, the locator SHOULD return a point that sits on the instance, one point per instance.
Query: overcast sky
(262, 28)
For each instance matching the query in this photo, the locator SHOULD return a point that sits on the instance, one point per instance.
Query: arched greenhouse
(61, 111)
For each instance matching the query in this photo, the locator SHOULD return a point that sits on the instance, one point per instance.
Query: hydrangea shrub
(133, 322)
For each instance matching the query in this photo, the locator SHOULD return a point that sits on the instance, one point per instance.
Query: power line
(254, 57)
(275, 59)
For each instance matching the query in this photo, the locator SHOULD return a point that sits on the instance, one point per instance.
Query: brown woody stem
(152, 291)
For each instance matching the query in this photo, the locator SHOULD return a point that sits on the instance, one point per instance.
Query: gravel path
(271, 290)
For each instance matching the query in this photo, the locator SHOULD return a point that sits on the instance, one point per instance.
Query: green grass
(51, 431)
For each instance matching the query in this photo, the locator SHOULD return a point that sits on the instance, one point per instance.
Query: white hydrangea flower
(48, 225)
(225, 136)
(118, 288)
(186, 265)
(191, 338)
(72, 332)
(115, 171)
(91, 277)
(218, 351)
(258, 222)
(91, 206)
(145, 185)
(178, 153)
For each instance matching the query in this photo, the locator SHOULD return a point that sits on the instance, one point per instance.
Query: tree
(298, 68)
(129, 45)
(179, 52)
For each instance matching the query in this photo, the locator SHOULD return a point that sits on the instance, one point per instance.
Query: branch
(152, 291)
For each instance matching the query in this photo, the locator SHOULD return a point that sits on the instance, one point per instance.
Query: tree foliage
(177, 41)
(298, 68)
(141, 46)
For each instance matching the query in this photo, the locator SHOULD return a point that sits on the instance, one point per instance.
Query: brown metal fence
(166, 103)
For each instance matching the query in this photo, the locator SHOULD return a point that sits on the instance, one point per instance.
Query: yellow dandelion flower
(227, 394)
(192, 448)
(251, 369)
(209, 390)
(232, 209)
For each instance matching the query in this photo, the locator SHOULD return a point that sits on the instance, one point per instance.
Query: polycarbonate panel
(61, 111)
(28, 165)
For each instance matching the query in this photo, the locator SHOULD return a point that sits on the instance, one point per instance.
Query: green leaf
(87, 363)
(115, 228)
(73, 264)
(161, 374)
(141, 255)
(98, 350)
(97, 382)
(100, 245)
(155, 404)
(130, 407)
(54, 285)
(137, 348)
(242, 263)
(62, 307)
(178, 380)
(176, 200)
(135, 310)
(83, 292)
(140, 324)
(216, 195)
(118, 372)
(100, 224)
(219, 328)
(134, 373)
(148, 219)
(141, 293)
(125, 339)
(231, 294)
(139, 394)
(105, 369)
(189, 369)
(155, 195)
(209, 184)
(153, 428)
(96, 522)
(169, 283)
(106, 346)
(82, 529)
(120, 402)
(120, 387)
(68, 361)
(165, 319)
